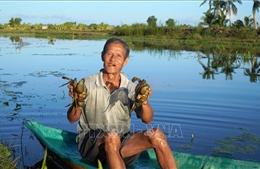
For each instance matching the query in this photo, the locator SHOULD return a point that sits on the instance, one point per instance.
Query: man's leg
(112, 146)
(153, 138)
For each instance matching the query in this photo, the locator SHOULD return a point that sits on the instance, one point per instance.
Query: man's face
(114, 58)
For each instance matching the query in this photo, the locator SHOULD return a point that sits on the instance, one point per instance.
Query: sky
(111, 12)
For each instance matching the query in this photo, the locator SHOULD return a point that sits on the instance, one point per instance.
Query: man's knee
(156, 137)
(112, 141)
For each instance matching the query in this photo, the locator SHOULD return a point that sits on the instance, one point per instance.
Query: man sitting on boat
(105, 115)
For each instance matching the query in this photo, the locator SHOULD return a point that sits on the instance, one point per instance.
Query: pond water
(221, 112)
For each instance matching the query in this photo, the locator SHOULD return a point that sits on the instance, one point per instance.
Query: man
(104, 120)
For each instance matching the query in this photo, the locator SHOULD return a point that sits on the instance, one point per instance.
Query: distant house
(44, 26)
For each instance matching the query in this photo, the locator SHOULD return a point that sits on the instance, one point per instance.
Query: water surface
(222, 113)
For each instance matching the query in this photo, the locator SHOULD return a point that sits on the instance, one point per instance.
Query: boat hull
(62, 144)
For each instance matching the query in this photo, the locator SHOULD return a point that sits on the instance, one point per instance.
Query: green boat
(61, 144)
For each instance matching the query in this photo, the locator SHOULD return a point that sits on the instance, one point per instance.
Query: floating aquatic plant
(186, 147)
(245, 143)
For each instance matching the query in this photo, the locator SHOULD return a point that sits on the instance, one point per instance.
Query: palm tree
(256, 7)
(238, 24)
(248, 22)
(220, 6)
(208, 19)
(231, 8)
(221, 20)
(215, 16)
(204, 1)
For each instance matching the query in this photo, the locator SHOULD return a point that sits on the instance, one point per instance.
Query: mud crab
(141, 92)
(79, 89)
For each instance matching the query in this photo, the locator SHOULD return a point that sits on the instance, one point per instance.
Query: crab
(79, 89)
(141, 92)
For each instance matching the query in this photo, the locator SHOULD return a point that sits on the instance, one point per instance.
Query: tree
(82, 26)
(221, 20)
(170, 22)
(216, 14)
(231, 8)
(15, 21)
(248, 22)
(255, 9)
(208, 19)
(238, 24)
(204, 1)
(152, 21)
(221, 7)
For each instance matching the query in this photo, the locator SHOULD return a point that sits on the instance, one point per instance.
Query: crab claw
(136, 79)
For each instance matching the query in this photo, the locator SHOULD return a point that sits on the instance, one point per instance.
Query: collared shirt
(105, 110)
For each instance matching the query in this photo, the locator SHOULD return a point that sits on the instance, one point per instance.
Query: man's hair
(119, 41)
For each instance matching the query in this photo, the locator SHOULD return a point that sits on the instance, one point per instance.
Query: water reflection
(218, 64)
(18, 42)
(219, 60)
(160, 45)
(254, 72)
(51, 40)
(209, 71)
(15, 39)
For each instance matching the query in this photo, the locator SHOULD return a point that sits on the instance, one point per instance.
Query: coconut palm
(220, 6)
(238, 24)
(248, 22)
(231, 8)
(221, 20)
(208, 19)
(204, 1)
(255, 9)
(215, 16)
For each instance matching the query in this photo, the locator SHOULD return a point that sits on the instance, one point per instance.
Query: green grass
(5, 160)
(191, 42)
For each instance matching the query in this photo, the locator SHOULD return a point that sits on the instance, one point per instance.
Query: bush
(195, 36)
(5, 161)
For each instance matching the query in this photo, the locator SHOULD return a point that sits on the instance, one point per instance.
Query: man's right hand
(79, 97)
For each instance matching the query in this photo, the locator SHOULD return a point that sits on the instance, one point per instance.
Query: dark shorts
(90, 151)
